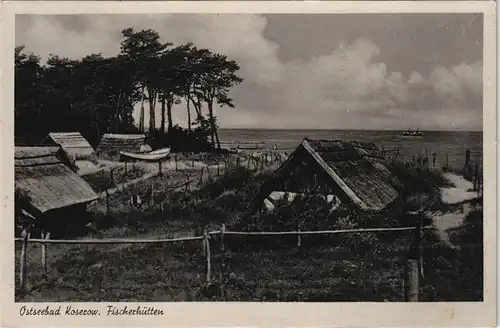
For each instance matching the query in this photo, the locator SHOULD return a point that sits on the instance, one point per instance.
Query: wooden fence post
(218, 168)
(192, 161)
(96, 271)
(42, 235)
(479, 182)
(411, 281)
(22, 262)
(201, 176)
(476, 177)
(175, 158)
(126, 168)
(152, 195)
(299, 239)
(107, 202)
(208, 269)
(159, 168)
(222, 231)
(111, 176)
(44, 253)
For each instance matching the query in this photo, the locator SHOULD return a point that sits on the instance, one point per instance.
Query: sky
(309, 71)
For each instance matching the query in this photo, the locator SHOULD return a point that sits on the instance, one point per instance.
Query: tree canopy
(96, 95)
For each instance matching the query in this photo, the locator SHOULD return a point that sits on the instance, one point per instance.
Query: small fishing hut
(352, 172)
(56, 196)
(112, 144)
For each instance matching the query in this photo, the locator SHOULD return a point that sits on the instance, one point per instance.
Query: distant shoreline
(341, 130)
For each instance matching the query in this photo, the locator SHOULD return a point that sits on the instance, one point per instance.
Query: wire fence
(128, 183)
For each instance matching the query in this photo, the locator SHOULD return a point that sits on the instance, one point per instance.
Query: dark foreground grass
(175, 272)
(354, 267)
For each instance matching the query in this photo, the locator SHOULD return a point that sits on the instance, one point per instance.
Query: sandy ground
(460, 193)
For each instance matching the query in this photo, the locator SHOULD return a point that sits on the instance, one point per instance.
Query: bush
(181, 140)
(415, 180)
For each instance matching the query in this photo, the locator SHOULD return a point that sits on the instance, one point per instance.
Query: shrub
(181, 140)
(415, 180)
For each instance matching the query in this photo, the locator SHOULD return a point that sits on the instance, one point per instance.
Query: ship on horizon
(411, 133)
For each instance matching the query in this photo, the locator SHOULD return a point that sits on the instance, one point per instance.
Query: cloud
(348, 88)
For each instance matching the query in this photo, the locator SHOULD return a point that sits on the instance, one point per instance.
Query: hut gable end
(73, 143)
(354, 171)
(351, 166)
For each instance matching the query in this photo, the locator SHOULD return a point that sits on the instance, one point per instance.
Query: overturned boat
(153, 156)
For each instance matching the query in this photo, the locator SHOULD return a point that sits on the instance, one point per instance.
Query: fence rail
(217, 232)
(414, 261)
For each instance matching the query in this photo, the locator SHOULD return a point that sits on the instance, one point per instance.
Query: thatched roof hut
(44, 175)
(73, 143)
(353, 171)
(112, 144)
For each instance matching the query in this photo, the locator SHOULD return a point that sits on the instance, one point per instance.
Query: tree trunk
(197, 107)
(189, 113)
(163, 110)
(169, 114)
(217, 138)
(152, 105)
(141, 117)
(117, 117)
(212, 123)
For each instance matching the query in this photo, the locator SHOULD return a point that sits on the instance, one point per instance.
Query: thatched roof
(73, 143)
(48, 181)
(356, 168)
(112, 144)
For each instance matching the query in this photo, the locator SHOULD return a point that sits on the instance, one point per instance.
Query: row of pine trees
(96, 94)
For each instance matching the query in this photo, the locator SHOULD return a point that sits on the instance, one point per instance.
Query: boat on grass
(153, 156)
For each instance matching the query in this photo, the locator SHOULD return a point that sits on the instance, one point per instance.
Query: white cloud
(348, 88)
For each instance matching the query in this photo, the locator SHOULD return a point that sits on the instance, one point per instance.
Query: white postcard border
(480, 314)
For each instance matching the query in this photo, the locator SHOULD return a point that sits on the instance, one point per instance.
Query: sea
(451, 144)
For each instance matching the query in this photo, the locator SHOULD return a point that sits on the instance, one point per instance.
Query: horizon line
(324, 129)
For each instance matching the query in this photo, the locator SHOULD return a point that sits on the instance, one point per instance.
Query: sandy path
(460, 193)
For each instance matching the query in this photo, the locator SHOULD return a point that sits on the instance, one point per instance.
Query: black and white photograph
(249, 157)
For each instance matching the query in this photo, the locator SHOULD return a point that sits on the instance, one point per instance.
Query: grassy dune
(354, 267)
